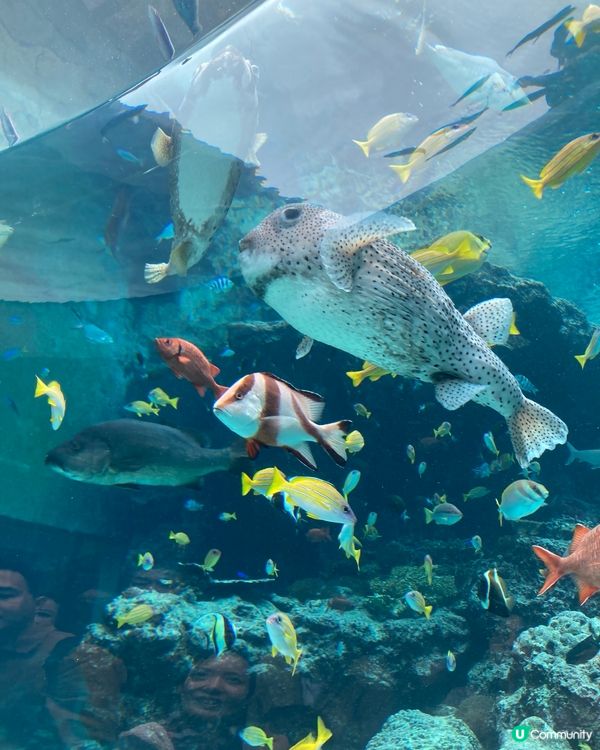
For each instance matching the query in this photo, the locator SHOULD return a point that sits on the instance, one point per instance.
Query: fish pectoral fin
(454, 393)
(342, 242)
(274, 651)
(585, 591)
(492, 320)
(304, 454)
(447, 271)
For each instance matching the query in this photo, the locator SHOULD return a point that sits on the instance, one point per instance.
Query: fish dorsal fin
(214, 370)
(342, 241)
(585, 591)
(492, 320)
(454, 393)
(579, 533)
(312, 404)
(303, 453)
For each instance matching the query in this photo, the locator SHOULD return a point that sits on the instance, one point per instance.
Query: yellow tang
(260, 482)
(454, 255)
(137, 615)
(310, 742)
(369, 372)
(570, 160)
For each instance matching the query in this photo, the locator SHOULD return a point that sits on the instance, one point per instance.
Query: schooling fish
(141, 408)
(348, 286)
(349, 543)
(537, 32)
(227, 517)
(163, 40)
(135, 616)
(266, 410)
(145, 561)
(256, 737)
(351, 482)
(582, 562)
(493, 594)
(592, 350)
(56, 400)
(362, 411)
(271, 568)
(354, 441)
(259, 483)
(387, 132)
(188, 362)
(520, 499)
(283, 639)
(590, 22)
(572, 159)
(133, 452)
(368, 372)
(454, 255)
(444, 514)
(317, 498)
(158, 397)
(180, 538)
(310, 742)
(444, 430)
(416, 601)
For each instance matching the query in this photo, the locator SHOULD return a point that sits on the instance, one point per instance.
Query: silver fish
(8, 127)
(161, 34)
(128, 452)
(348, 286)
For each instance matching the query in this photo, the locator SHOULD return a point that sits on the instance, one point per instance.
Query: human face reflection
(216, 687)
(17, 606)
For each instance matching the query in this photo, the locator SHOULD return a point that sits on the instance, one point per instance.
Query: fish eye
(595, 136)
(179, 350)
(239, 395)
(291, 215)
(346, 509)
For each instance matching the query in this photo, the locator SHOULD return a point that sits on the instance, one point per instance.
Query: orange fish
(188, 362)
(265, 410)
(582, 562)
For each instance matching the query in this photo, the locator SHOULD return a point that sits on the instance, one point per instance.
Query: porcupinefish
(348, 286)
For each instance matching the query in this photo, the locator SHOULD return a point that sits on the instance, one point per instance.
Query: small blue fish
(450, 661)
(96, 335)
(422, 468)
(145, 561)
(483, 470)
(227, 352)
(192, 505)
(14, 352)
(220, 284)
(526, 385)
(242, 575)
(475, 542)
(44, 372)
(10, 402)
(352, 480)
(15, 320)
(128, 156)
(404, 517)
(166, 233)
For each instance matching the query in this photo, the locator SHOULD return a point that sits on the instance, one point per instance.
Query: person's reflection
(54, 693)
(214, 702)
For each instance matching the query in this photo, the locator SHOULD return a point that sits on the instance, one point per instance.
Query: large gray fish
(127, 451)
(348, 286)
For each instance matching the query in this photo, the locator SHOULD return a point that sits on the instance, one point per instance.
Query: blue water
(262, 105)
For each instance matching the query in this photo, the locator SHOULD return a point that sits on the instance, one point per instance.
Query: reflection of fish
(454, 255)
(163, 40)
(493, 594)
(130, 113)
(117, 219)
(394, 314)
(537, 32)
(188, 10)
(135, 452)
(387, 132)
(590, 21)
(582, 562)
(572, 159)
(8, 127)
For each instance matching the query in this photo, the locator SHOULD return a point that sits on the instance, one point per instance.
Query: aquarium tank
(299, 388)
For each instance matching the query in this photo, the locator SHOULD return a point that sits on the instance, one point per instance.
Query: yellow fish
(362, 411)
(256, 737)
(348, 543)
(444, 430)
(142, 407)
(56, 400)
(355, 442)
(260, 482)
(570, 160)
(454, 255)
(158, 397)
(283, 639)
(592, 349)
(475, 493)
(180, 538)
(211, 558)
(438, 141)
(590, 22)
(137, 615)
(428, 567)
(369, 372)
(416, 601)
(312, 743)
(385, 134)
(317, 498)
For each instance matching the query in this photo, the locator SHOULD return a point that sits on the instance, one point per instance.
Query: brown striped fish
(265, 410)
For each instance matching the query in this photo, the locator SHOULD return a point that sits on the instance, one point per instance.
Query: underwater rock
(417, 729)
(565, 695)
(532, 722)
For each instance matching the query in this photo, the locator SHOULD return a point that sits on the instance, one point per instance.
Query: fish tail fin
(534, 429)
(513, 330)
(364, 146)
(171, 535)
(323, 733)
(140, 559)
(553, 565)
(120, 620)
(402, 170)
(537, 186)
(428, 515)
(357, 377)
(278, 483)
(436, 432)
(297, 655)
(174, 401)
(577, 31)
(356, 556)
(332, 438)
(582, 359)
(465, 497)
(40, 387)
(246, 483)
(155, 272)
(427, 611)
(572, 454)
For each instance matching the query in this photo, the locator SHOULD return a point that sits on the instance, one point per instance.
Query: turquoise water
(259, 109)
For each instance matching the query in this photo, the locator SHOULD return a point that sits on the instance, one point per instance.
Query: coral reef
(415, 729)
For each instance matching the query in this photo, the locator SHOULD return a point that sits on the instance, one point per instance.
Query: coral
(415, 729)
(388, 592)
(567, 696)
